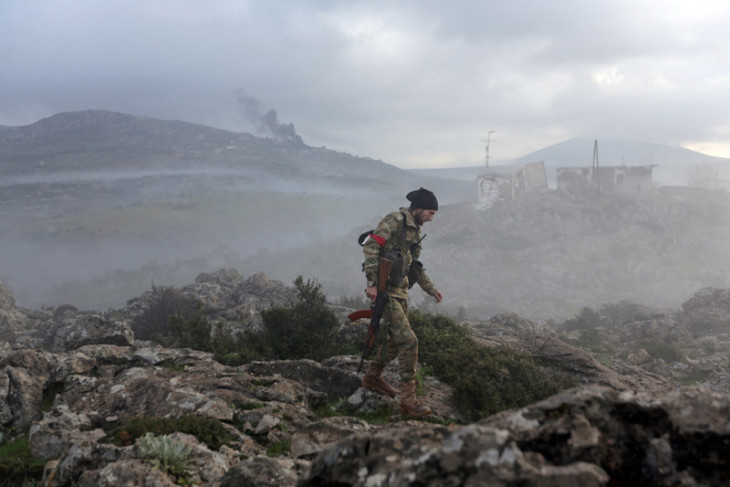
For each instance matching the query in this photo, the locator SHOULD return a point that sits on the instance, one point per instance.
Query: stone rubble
(68, 377)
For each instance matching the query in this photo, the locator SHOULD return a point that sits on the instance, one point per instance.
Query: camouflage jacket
(387, 236)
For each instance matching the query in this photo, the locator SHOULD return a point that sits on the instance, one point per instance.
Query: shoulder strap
(403, 231)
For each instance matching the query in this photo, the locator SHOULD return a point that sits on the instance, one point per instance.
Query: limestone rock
(585, 436)
(707, 312)
(261, 471)
(312, 439)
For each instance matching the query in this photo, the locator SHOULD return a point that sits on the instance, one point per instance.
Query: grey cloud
(429, 77)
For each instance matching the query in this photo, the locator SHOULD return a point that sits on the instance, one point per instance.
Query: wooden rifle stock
(384, 268)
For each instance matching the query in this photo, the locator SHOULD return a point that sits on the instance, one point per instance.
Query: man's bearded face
(423, 216)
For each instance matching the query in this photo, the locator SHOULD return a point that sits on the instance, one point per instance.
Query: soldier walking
(399, 231)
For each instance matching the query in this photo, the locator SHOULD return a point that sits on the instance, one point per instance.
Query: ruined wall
(626, 179)
(492, 187)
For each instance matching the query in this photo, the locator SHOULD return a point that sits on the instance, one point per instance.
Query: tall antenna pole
(486, 150)
(596, 171)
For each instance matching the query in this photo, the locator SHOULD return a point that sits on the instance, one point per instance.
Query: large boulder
(590, 436)
(261, 471)
(334, 382)
(227, 297)
(24, 377)
(707, 312)
(74, 329)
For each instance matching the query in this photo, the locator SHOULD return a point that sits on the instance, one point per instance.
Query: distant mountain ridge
(49, 143)
(107, 140)
(99, 140)
(578, 151)
(672, 163)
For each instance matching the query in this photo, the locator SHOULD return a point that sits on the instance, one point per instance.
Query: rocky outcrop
(63, 329)
(227, 298)
(97, 388)
(707, 312)
(644, 347)
(74, 379)
(591, 436)
(542, 342)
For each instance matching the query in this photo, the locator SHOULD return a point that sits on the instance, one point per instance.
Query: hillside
(103, 195)
(77, 144)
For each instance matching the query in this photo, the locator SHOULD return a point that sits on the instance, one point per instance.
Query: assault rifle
(375, 313)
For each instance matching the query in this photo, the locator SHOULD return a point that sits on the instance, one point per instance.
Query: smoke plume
(266, 124)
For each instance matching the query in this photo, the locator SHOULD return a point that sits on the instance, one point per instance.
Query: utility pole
(486, 155)
(595, 172)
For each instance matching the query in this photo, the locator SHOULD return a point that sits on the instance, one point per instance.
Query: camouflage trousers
(397, 339)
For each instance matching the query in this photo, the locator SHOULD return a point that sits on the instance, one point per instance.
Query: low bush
(281, 448)
(191, 331)
(17, 465)
(166, 302)
(587, 319)
(485, 380)
(167, 454)
(667, 351)
(309, 329)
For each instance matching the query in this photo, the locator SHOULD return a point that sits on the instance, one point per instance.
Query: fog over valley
(89, 233)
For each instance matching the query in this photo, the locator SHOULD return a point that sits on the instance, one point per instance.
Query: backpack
(399, 272)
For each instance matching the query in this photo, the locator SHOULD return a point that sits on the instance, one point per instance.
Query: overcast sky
(416, 83)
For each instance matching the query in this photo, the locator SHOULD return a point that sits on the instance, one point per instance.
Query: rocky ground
(639, 414)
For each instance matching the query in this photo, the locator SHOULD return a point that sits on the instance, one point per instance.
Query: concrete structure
(627, 179)
(495, 186)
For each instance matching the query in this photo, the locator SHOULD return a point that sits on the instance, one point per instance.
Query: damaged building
(626, 179)
(495, 186)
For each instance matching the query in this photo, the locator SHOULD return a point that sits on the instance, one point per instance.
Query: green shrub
(280, 448)
(586, 320)
(191, 332)
(207, 430)
(485, 380)
(309, 329)
(241, 348)
(669, 352)
(166, 302)
(17, 465)
(590, 338)
(167, 454)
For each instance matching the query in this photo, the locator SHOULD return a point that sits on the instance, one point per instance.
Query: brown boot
(409, 405)
(374, 381)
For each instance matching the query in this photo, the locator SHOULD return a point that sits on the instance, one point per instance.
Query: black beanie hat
(423, 199)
